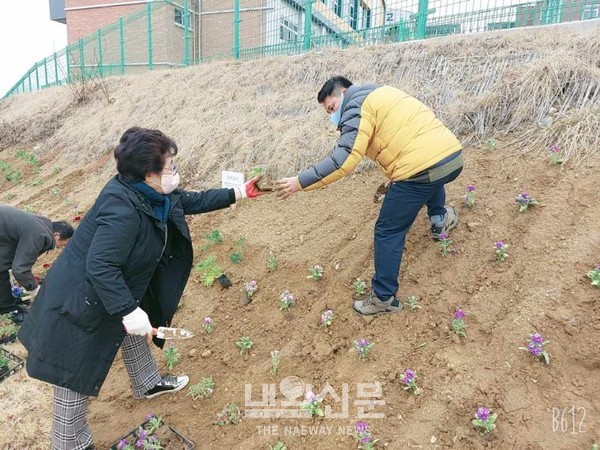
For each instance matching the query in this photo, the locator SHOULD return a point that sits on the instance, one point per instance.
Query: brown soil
(541, 287)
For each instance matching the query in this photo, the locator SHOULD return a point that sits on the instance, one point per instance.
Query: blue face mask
(336, 116)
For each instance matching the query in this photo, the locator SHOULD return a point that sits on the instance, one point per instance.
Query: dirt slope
(541, 287)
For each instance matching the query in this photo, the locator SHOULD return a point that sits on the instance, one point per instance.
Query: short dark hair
(141, 151)
(333, 86)
(64, 230)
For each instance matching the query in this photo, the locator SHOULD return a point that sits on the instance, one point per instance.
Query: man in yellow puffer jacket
(415, 151)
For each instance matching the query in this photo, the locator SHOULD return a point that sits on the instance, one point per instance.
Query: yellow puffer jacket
(394, 129)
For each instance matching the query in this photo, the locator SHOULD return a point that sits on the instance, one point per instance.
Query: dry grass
(26, 406)
(229, 115)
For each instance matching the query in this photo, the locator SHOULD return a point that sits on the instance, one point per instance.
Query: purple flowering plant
(555, 156)
(285, 300)
(445, 243)
(501, 250)
(312, 403)
(409, 379)
(594, 275)
(363, 436)
(470, 196)
(458, 323)
(362, 347)
(327, 318)
(208, 325)
(17, 291)
(524, 200)
(535, 346)
(250, 288)
(485, 419)
(316, 273)
(145, 437)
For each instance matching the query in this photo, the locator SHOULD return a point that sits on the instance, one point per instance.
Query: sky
(27, 35)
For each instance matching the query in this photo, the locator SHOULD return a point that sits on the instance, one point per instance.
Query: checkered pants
(70, 430)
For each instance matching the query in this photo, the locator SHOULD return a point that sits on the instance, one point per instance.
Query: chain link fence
(167, 34)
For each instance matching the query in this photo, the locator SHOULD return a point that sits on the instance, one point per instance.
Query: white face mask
(336, 116)
(168, 183)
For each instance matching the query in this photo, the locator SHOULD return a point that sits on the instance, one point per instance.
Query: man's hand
(381, 192)
(286, 187)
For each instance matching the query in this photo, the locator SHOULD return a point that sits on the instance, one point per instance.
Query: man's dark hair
(141, 151)
(64, 230)
(333, 86)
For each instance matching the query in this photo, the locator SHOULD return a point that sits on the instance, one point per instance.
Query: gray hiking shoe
(373, 306)
(450, 222)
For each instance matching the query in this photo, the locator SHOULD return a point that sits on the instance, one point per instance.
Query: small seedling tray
(14, 364)
(182, 444)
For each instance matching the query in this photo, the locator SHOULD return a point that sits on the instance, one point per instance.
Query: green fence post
(422, 19)
(68, 62)
(122, 45)
(100, 68)
(46, 71)
(149, 26)
(403, 31)
(307, 24)
(186, 33)
(236, 29)
(29, 80)
(81, 60)
(557, 11)
(37, 77)
(56, 69)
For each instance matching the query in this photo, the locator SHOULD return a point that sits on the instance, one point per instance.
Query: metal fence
(164, 34)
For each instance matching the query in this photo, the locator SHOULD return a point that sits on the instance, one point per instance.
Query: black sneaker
(168, 384)
(450, 222)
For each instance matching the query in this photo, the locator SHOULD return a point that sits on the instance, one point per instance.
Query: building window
(351, 17)
(180, 18)
(366, 17)
(337, 7)
(288, 31)
(590, 11)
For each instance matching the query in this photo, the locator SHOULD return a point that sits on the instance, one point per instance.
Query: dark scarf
(160, 203)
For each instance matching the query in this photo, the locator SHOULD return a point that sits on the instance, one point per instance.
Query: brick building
(263, 23)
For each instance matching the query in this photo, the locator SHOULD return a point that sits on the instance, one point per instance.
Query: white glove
(137, 322)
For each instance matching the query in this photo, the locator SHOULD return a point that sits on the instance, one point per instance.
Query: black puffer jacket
(119, 257)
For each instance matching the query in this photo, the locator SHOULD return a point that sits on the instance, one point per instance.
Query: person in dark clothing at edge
(23, 238)
(122, 274)
(414, 150)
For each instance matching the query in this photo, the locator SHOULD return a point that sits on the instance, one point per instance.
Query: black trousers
(7, 301)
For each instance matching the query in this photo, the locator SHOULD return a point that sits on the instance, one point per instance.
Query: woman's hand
(137, 323)
(249, 189)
